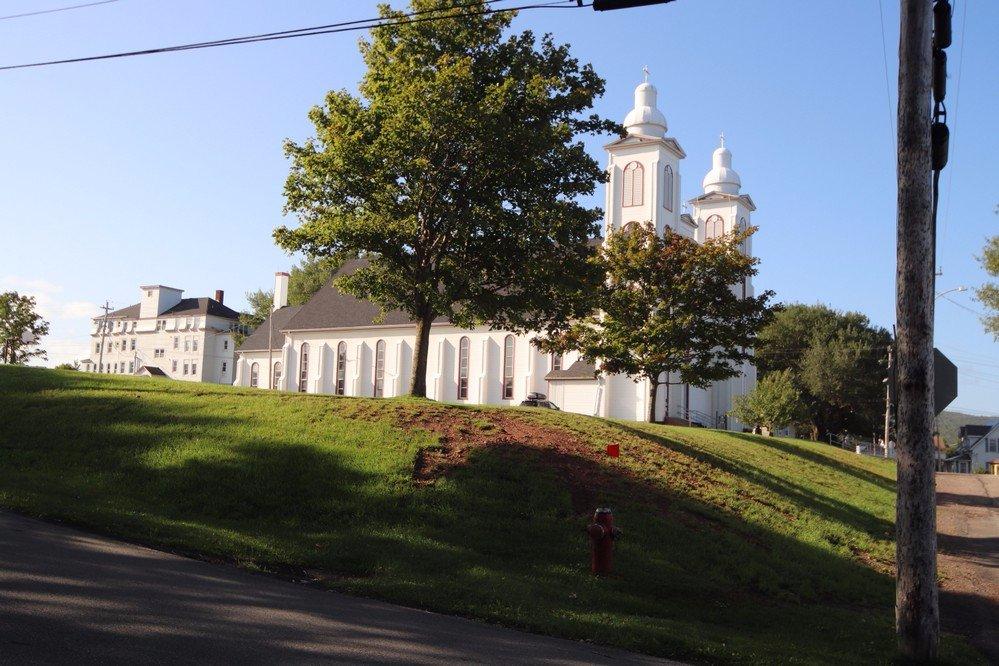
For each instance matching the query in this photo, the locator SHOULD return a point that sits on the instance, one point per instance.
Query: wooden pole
(917, 616)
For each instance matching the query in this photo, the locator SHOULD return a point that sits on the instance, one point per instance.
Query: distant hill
(948, 422)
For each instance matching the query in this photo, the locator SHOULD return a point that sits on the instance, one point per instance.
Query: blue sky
(169, 168)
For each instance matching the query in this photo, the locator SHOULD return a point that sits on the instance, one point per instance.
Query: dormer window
(633, 190)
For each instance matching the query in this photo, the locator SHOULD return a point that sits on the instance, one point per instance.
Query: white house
(333, 345)
(166, 335)
(978, 450)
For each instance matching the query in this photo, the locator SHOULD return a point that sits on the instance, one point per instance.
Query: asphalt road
(968, 560)
(71, 597)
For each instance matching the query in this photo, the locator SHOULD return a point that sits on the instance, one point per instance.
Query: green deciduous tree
(21, 329)
(836, 359)
(455, 174)
(668, 310)
(775, 403)
(988, 294)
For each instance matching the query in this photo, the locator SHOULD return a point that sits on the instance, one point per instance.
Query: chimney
(219, 295)
(280, 290)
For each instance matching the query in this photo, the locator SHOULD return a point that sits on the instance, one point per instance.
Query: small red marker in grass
(614, 450)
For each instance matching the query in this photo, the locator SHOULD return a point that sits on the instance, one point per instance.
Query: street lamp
(944, 293)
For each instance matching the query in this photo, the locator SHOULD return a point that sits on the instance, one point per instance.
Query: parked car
(539, 400)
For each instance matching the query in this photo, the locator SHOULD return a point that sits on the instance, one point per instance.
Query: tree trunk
(418, 381)
(916, 611)
(653, 394)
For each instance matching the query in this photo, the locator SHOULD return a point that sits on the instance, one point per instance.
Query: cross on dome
(645, 71)
(721, 139)
(722, 177)
(645, 119)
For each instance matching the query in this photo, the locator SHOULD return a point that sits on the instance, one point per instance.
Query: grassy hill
(736, 548)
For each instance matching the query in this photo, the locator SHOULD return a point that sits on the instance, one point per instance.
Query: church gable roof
(257, 341)
(330, 308)
(581, 369)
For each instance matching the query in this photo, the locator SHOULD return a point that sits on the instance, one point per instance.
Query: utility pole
(888, 391)
(922, 147)
(104, 329)
(270, 349)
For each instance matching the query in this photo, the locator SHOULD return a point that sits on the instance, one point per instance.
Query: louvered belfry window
(633, 192)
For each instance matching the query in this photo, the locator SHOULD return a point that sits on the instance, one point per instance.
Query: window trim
(509, 358)
(276, 371)
(254, 374)
(668, 202)
(464, 363)
(341, 368)
(631, 196)
(713, 221)
(303, 368)
(378, 381)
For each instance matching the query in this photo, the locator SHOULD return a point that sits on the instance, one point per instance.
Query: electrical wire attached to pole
(478, 8)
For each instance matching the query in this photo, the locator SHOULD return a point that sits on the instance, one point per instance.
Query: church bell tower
(644, 169)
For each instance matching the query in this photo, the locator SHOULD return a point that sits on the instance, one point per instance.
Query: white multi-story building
(332, 344)
(166, 335)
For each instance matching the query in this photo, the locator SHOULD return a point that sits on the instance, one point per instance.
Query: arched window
(379, 368)
(277, 375)
(668, 188)
(714, 227)
(303, 368)
(341, 367)
(556, 361)
(508, 368)
(463, 349)
(634, 185)
(744, 246)
(254, 374)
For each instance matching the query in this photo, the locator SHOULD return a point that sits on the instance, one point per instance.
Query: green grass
(736, 548)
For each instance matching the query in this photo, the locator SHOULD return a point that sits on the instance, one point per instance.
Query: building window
(714, 227)
(225, 344)
(556, 361)
(668, 188)
(194, 344)
(508, 368)
(194, 368)
(254, 374)
(303, 369)
(174, 365)
(131, 367)
(744, 287)
(187, 367)
(187, 344)
(463, 348)
(341, 367)
(116, 368)
(132, 345)
(97, 348)
(223, 367)
(276, 379)
(176, 342)
(992, 445)
(379, 368)
(634, 184)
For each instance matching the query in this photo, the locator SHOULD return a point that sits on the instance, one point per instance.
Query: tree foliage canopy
(456, 174)
(837, 360)
(667, 310)
(988, 294)
(775, 403)
(21, 329)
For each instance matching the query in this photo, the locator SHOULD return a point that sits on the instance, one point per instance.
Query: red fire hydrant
(602, 535)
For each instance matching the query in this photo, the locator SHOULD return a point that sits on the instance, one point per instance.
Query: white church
(331, 344)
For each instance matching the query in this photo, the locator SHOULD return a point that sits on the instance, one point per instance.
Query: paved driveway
(968, 544)
(70, 597)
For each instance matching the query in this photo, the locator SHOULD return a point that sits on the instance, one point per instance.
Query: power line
(346, 26)
(884, 56)
(57, 9)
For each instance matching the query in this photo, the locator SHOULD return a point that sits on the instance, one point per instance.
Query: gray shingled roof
(257, 341)
(331, 308)
(581, 369)
(153, 370)
(187, 306)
